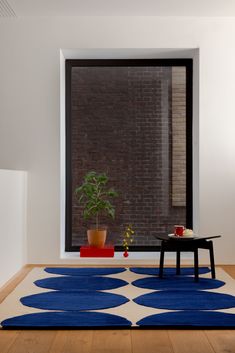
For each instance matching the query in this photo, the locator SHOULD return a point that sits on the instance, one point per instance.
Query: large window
(133, 120)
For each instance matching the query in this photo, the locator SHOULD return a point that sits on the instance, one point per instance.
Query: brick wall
(178, 136)
(122, 125)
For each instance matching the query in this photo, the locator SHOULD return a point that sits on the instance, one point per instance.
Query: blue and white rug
(120, 297)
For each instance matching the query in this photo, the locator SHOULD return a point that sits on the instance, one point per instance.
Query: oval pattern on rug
(65, 319)
(177, 283)
(168, 271)
(79, 283)
(74, 300)
(186, 319)
(92, 271)
(195, 300)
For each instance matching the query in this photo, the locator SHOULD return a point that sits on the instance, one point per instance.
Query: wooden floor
(114, 341)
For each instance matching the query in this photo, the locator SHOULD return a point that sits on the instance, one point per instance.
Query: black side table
(178, 244)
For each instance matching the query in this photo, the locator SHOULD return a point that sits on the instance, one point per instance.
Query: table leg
(196, 264)
(178, 262)
(212, 259)
(161, 261)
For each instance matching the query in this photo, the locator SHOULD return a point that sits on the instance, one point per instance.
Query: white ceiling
(209, 8)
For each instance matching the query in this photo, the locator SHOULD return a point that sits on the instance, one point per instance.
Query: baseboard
(9, 286)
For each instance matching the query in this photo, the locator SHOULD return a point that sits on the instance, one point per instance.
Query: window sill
(134, 258)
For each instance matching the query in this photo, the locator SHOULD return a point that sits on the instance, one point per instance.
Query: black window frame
(69, 64)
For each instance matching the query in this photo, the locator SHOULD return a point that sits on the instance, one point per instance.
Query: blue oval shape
(74, 271)
(190, 300)
(79, 283)
(168, 271)
(65, 319)
(187, 319)
(74, 300)
(177, 283)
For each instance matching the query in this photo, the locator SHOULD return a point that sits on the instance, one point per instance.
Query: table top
(166, 237)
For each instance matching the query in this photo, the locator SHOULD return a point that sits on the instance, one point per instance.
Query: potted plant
(95, 196)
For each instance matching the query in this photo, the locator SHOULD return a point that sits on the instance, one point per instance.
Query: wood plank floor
(114, 341)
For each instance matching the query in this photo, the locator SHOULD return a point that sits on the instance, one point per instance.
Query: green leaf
(102, 179)
(111, 212)
(86, 214)
(112, 193)
(90, 176)
(79, 189)
(80, 198)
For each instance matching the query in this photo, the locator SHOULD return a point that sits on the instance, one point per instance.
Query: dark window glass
(134, 123)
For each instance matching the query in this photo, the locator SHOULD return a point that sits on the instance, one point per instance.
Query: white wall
(12, 223)
(30, 112)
